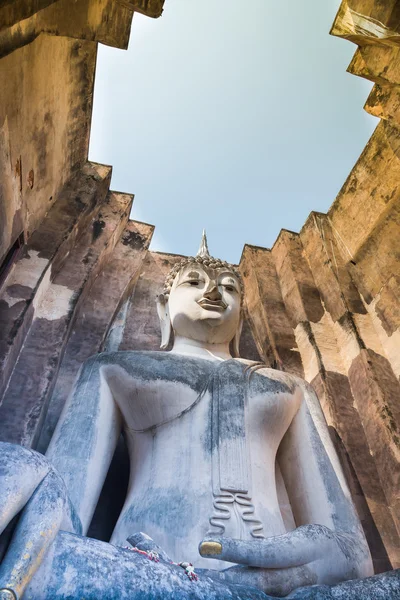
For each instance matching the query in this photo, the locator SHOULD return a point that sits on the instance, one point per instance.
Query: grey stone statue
(232, 471)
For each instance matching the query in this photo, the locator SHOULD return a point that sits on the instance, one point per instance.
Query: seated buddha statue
(231, 467)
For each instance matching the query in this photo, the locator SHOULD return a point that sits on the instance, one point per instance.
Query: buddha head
(201, 300)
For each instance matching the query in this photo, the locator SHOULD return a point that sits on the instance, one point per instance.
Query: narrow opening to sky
(238, 121)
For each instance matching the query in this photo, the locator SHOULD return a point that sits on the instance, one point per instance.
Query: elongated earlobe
(236, 339)
(165, 321)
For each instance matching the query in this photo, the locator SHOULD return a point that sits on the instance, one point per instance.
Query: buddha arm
(85, 438)
(328, 544)
(313, 476)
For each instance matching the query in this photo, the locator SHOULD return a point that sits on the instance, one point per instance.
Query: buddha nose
(212, 292)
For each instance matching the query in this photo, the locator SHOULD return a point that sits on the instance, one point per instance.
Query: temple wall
(48, 57)
(322, 303)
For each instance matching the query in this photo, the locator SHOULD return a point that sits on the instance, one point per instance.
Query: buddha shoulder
(267, 381)
(149, 366)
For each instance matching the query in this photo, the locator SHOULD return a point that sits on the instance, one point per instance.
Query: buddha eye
(194, 282)
(230, 288)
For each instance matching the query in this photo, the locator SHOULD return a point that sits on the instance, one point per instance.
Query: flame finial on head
(203, 250)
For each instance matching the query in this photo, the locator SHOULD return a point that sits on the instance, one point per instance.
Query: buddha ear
(236, 339)
(165, 320)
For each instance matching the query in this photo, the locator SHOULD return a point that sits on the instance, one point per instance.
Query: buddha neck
(183, 345)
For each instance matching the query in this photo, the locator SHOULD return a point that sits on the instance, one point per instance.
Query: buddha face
(204, 304)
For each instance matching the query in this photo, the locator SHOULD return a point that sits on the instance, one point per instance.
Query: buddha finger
(293, 549)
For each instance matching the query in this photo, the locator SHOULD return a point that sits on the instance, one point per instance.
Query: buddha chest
(203, 438)
(154, 388)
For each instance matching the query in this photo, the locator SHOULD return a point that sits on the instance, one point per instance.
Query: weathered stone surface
(387, 307)
(378, 63)
(372, 186)
(348, 435)
(12, 12)
(257, 320)
(110, 572)
(299, 291)
(44, 135)
(379, 257)
(102, 21)
(42, 131)
(367, 21)
(151, 8)
(381, 587)
(43, 256)
(35, 370)
(97, 314)
(264, 302)
(247, 346)
(383, 102)
(322, 248)
(141, 329)
(376, 391)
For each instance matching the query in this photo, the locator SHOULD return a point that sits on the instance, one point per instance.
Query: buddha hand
(311, 554)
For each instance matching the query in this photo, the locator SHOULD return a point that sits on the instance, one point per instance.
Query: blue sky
(238, 121)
